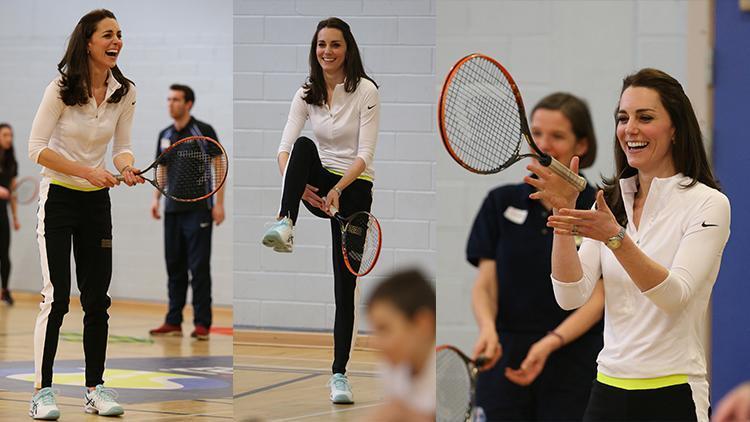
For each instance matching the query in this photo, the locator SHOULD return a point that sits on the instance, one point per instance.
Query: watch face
(614, 243)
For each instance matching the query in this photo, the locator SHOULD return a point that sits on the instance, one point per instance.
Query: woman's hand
(311, 197)
(130, 174)
(217, 213)
(488, 346)
(4, 193)
(735, 406)
(533, 365)
(332, 200)
(599, 224)
(16, 224)
(551, 187)
(101, 178)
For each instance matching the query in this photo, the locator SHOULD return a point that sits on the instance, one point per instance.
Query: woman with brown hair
(82, 110)
(333, 171)
(655, 237)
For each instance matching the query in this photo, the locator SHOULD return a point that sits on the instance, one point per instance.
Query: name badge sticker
(165, 143)
(515, 215)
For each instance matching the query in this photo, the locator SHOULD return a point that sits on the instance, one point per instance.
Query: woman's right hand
(551, 187)
(488, 346)
(4, 193)
(101, 178)
(312, 198)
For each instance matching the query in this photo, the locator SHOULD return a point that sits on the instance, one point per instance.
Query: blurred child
(402, 314)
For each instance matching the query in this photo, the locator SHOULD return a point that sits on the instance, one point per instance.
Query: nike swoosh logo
(370, 107)
(708, 225)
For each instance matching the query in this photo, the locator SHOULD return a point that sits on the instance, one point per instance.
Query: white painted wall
(272, 40)
(187, 41)
(583, 47)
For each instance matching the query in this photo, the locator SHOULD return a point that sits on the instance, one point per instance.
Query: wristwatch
(615, 241)
(337, 190)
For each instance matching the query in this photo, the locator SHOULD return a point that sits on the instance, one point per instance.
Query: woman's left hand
(16, 224)
(598, 224)
(332, 199)
(130, 175)
(533, 365)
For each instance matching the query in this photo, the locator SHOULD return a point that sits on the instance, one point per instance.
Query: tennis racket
(482, 120)
(361, 239)
(26, 190)
(456, 384)
(190, 170)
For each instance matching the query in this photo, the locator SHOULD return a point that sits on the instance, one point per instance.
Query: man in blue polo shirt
(187, 227)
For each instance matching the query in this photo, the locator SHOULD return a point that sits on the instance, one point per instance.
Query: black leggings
(4, 245)
(607, 403)
(304, 167)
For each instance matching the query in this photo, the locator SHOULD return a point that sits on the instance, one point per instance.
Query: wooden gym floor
(159, 379)
(283, 376)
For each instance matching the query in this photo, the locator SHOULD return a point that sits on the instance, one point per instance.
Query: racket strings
(453, 387)
(482, 118)
(191, 170)
(25, 191)
(362, 242)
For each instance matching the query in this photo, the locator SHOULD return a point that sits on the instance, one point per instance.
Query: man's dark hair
(186, 90)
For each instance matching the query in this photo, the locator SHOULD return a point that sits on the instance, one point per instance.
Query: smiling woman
(332, 172)
(656, 238)
(90, 103)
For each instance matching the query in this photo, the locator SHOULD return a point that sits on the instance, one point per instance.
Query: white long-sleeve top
(81, 133)
(661, 331)
(343, 132)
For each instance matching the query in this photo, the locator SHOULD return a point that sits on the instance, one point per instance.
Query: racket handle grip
(334, 210)
(567, 174)
(120, 177)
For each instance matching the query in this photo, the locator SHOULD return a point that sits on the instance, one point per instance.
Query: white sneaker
(102, 401)
(43, 405)
(280, 236)
(341, 391)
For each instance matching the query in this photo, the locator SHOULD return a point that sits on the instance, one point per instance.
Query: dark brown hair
(688, 152)
(315, 86)
(408, 291)
(75, 84)
(186, 91)
(577, 112)
(9, 164)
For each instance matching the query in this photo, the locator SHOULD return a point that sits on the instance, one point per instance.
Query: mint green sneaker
(280, 236)
(43, 405)
(102, 401)
(341, 391)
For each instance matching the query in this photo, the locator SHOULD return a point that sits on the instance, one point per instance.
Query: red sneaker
(167, 330)
(200, 332)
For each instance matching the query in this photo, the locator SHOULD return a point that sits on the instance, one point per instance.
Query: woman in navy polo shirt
(519, 321)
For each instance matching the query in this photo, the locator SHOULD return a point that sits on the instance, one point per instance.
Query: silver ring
(574, 230)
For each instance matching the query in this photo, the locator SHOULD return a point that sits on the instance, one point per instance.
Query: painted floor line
(283, 369)
(272, 386)
(330, 412)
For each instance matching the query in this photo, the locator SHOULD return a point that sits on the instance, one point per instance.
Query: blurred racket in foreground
(456, 384)
(361, 240)
(482, 120)
(190, 170)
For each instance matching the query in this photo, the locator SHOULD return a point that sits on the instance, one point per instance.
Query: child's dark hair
(408, 291)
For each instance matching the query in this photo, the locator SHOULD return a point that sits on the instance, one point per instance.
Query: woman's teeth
(636, 145)
(112, 53)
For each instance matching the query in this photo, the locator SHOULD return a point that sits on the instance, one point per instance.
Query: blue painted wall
(731, 304)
